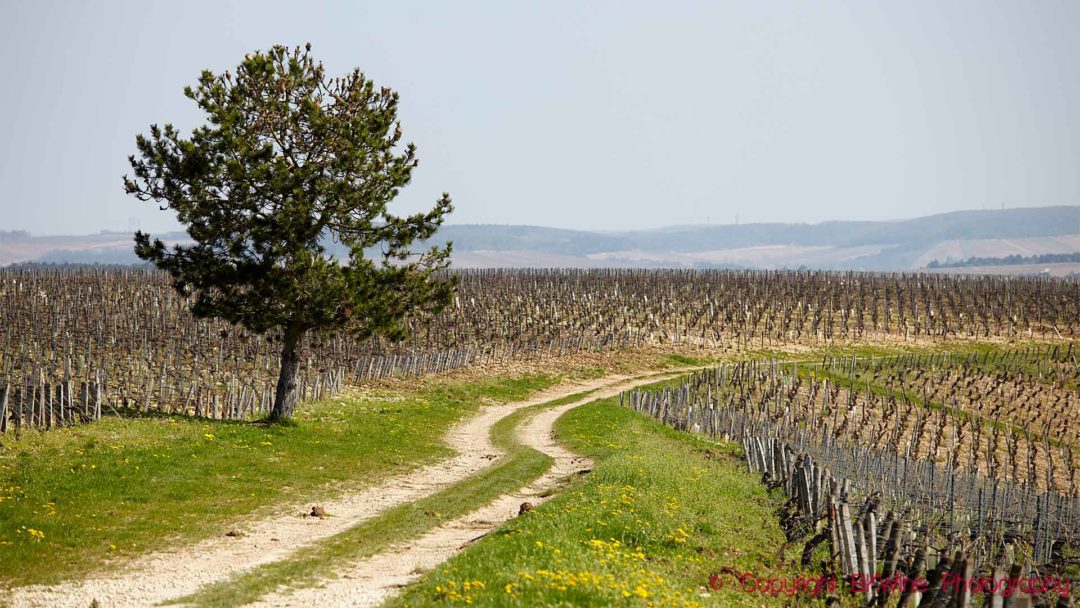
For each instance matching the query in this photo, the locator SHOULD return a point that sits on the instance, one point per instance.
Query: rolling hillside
(841, 245)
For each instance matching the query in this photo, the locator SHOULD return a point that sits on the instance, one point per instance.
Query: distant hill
(849, 245)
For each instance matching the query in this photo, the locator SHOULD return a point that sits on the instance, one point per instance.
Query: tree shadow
(136, 414)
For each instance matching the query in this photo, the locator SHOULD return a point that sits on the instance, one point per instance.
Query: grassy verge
(519, 466)
(661, 512)
(73, 500)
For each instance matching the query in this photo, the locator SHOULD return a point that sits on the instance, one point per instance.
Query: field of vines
(930, 465)
(79, 343)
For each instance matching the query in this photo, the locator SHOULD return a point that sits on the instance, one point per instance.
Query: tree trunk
(287, 395)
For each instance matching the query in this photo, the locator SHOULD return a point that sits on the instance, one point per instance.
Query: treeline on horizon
(1010, 260)
(14, 235)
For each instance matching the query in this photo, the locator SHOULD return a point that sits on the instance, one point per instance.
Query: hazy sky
(600, 115)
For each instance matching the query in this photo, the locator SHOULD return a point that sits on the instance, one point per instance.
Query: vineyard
(913, 465)
(77, 343)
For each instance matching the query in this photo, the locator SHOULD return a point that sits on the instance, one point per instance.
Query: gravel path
(181, 571)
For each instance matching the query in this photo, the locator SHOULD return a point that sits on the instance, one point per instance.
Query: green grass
(74, 500)
(660, 513)
(519, 466)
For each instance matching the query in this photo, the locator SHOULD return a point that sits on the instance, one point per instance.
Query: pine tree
(288, 161)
